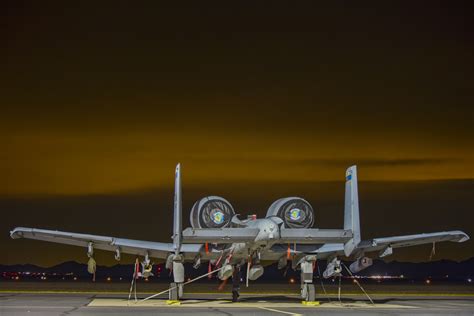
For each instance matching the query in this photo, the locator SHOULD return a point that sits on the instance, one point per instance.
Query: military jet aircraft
(217, 235)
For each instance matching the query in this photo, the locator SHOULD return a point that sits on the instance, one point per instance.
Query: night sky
(257, 101)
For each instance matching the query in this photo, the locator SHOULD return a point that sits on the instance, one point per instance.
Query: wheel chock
(173, 302)
(313, 303)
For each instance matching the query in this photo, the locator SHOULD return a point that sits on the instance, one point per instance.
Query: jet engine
(294, 211)
(211, 212)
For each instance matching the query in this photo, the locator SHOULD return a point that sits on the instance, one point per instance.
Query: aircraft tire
(173, 293)
(311, 293)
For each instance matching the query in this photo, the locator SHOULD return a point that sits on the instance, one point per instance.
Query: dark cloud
(333, 162)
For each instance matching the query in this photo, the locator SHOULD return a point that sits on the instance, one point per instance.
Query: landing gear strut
(176, 288)
(236, 284)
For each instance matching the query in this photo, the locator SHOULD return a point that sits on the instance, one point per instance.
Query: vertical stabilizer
(177, 218)
(351, 210)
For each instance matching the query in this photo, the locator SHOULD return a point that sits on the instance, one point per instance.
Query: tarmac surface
(31, 303)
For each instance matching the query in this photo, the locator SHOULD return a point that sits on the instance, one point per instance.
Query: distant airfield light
(17, 278)
(428, 281)
(120, 278)
(75, 278)
(146, 280)
(109, 279)
(292, 281)
(469, 280)
(354, 281)
(401, 276)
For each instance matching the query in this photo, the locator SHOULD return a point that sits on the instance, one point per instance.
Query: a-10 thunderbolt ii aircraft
(218, 236)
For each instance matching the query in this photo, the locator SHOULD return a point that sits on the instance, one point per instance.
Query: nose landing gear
(236, 284)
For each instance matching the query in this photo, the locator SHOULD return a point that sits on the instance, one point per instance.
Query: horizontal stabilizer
(314, 236)
(219, 235)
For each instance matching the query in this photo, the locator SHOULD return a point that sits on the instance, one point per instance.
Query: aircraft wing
(376, 244)
(129, 246)
(412, 240)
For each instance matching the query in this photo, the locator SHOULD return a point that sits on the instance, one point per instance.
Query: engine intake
(211, 212)
(294, 211)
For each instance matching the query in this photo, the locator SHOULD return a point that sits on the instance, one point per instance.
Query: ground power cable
(357, 282)
(175, 287)
(321, 281)
(339, 289)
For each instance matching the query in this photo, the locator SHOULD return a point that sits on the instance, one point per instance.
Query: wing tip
(464, 237)
(17, 232)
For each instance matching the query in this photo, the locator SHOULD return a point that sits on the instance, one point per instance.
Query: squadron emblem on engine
(217, 216)
(295, 214)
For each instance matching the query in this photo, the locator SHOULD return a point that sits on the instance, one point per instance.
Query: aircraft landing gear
(308, 292)
(236, 284)
(176, 288)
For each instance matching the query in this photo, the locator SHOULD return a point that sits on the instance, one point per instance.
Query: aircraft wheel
(173, 293)
(310, 293)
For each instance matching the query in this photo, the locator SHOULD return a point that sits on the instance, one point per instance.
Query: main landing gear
(308, 292)
(177, 287)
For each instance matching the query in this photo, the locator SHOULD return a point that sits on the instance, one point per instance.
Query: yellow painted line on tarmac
(279, 311)
(271, 306)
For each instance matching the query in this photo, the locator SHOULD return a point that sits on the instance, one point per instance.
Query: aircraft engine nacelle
(211, 212)
(294, 211)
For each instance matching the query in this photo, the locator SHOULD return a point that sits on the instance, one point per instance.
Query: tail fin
(351, 210)
(177, 220)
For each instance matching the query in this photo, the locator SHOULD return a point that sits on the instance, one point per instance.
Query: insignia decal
(217, 217)
(295, 214)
